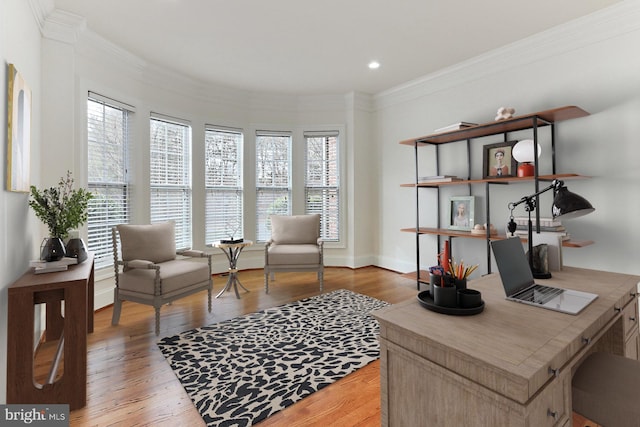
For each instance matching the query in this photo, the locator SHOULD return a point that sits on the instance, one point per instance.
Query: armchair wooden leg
(157, 320)
(117, 307)
(266, 282)
(321, 279)
(209, 297)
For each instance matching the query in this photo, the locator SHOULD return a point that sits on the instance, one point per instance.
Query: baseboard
(103, 293)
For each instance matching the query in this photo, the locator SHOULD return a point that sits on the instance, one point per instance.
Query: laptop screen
(512, 265)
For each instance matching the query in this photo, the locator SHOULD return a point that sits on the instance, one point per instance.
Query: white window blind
(170, 180)
(273, 179)
(322, 182)
(107, 149)
(223, 181)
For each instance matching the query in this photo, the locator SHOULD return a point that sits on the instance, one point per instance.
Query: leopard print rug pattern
(240, 371)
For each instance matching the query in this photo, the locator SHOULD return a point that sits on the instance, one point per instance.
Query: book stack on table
(547, 226)
(40, 266)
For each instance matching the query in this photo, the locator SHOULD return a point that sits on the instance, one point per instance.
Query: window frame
(277, 191)
(232, 227)
(326, 218)
(178, 196)
(99, 235)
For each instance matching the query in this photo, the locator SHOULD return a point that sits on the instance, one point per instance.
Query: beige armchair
(149, 272)
(295, 245)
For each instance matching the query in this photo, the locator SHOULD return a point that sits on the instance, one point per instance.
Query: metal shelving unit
(526, 122)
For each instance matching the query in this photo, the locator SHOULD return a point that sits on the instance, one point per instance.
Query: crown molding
(96, 47)
(63, 26)
(40, 10)
(68, 28)
(614, 21)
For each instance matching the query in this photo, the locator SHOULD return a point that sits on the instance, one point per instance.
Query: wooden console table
(510, 365)
(74, 287)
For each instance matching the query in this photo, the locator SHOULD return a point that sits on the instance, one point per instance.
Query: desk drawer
(550, 408)
(632, 347)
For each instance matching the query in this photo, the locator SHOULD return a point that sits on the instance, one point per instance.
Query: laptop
(519, 285)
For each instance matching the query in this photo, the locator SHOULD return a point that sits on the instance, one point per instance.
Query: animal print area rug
(240, 371)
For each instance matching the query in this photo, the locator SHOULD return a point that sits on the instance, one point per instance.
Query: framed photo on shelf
(461, 212)
(498, 161)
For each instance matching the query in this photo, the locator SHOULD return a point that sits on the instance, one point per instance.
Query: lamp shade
(523, 151)
(569, 205)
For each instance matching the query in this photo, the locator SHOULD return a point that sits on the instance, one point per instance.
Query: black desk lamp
(565, 204)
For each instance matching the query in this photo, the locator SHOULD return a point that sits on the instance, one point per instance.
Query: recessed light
(373, 65)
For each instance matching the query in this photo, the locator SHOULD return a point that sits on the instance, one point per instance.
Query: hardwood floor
(131, 384)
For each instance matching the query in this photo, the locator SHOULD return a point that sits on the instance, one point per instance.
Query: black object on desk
(426, 300)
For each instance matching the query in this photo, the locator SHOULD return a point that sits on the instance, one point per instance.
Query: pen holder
(440, 280)
(434, 280)
(460, 283)
(469, 298)
(445, 296)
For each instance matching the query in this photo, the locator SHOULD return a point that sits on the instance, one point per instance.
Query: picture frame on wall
(18, 131)
(461, 212)
(498, 161)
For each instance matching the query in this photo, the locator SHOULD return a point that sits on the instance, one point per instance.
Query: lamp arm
(527, 199)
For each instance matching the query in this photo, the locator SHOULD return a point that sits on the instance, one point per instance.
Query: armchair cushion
(174, 274)
(154, 242)
(295, 229)
(294, 254)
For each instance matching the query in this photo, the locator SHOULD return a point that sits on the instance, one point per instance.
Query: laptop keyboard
(538, 294)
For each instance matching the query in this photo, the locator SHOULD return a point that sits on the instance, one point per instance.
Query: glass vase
(52, 249)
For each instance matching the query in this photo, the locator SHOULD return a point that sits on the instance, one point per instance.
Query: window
(322, 182)
(273, 179)
(170, 180)
(223, 181)
(107, 146)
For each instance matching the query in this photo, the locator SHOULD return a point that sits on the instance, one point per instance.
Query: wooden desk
(510, 365)
(75, 287)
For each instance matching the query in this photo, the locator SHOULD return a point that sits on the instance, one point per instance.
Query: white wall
(19, 45)
(587, 63)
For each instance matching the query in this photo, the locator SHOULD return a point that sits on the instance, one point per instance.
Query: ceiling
(317, 47)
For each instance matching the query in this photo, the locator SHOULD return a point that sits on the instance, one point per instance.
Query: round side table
(232, 251)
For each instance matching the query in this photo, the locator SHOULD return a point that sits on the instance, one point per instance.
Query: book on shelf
(438, 178)
(544, 222)
(525, 233)
(455, 126)
(542, 227)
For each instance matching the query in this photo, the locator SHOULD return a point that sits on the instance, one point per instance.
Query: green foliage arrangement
(61, 208)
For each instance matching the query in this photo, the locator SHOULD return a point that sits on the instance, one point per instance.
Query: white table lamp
(523, 153)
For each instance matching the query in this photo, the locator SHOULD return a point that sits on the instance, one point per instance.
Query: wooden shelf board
(507, 180)
(543, 118)
(468, 235)
(424, 276)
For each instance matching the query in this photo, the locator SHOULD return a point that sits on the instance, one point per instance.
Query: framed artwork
(18, 132)
(498, 161)
(461, 212)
